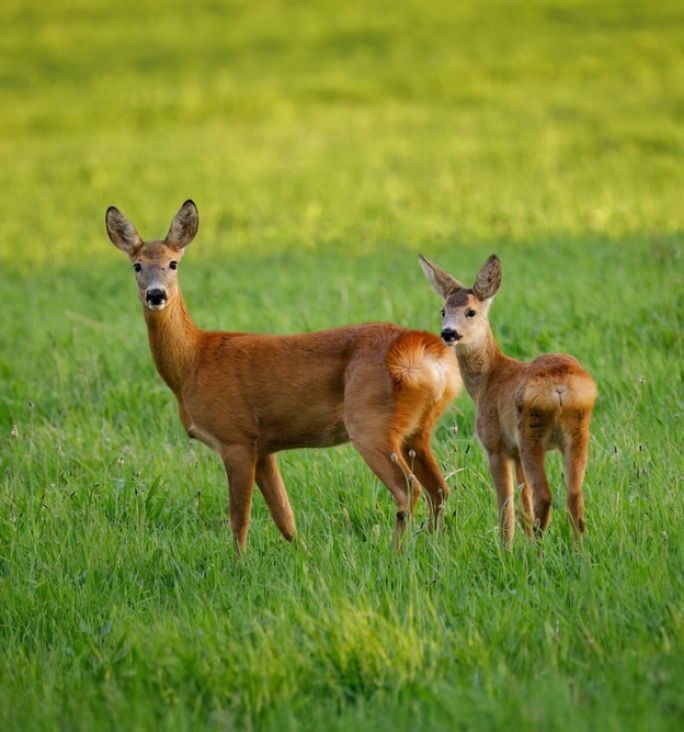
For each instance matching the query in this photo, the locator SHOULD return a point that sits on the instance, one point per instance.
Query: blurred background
(359, 125)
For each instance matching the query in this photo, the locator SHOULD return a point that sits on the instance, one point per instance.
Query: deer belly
(275, 432)
(326, 435)
(315, 423)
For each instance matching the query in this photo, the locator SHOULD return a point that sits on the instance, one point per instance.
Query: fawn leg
(532, 457)
(526, 516)
(500, 467)
(575, 456)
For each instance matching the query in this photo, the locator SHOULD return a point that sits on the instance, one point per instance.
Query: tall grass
(325, 145)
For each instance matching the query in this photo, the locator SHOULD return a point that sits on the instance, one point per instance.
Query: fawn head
(464, 313)
(155, 263)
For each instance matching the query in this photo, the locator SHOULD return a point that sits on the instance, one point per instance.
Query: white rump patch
(439, 373)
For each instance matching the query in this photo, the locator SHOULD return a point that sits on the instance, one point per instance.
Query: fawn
(247, 396)
(523, 408)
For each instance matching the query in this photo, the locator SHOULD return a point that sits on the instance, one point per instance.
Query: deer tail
(419, 361)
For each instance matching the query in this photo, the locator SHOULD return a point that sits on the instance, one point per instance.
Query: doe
(524, 408)
(248, 396)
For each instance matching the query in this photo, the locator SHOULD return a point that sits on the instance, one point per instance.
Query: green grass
(325, 145)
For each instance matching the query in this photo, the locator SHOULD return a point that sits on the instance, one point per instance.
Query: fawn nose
(155, 297)
(449, 336)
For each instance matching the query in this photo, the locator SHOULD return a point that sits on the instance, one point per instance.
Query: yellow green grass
(325, 145)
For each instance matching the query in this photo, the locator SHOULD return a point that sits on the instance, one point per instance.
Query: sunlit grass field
(325, 145)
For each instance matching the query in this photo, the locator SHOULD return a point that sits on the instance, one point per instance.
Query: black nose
(449, 335)
(155, 297)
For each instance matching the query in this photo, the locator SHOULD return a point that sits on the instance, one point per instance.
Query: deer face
(155, 263)
(464, 313)
(464, 318)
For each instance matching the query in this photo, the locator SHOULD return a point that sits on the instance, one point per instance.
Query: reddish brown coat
(248, 396)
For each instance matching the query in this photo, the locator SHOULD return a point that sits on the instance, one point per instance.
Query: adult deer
(248, 396)
(524, 408)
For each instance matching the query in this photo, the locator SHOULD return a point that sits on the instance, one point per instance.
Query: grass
(326, 145)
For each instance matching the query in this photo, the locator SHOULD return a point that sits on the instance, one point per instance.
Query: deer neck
(477, 361)
(173, 341)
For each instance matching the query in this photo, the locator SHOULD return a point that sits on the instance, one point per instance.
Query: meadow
(326, 144)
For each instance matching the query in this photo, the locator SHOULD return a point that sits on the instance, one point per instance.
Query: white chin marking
(152, 306)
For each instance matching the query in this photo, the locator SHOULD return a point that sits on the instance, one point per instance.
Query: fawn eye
(443, 311)
(137, 266)
(173, 265)
(470, 313)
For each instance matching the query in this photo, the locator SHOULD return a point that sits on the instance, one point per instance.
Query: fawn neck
(173, 341)
(477, 361)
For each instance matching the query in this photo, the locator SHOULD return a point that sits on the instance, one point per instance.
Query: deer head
(464, 312)
(155, 263)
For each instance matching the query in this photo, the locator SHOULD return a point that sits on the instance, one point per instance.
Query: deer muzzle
(155, 298)
(450, 336)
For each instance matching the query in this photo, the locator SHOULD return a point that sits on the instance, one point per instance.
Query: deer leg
(500, 467)
(240, 462)
(575, 458)
(369, 420)
(428, 473)
(532, 458)
(272, 488)
(526, 515)
(413, 461)
(413, 484)
(384, 458)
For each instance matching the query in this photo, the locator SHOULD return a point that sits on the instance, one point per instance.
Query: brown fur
(524, 408)
(248, 396)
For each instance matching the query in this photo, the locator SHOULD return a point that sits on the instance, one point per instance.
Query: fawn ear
(488, 279)
(184, 226)
(121, 231)
(442, 281)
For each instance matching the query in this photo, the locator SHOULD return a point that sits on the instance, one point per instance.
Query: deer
(523, 408)
(249, 395)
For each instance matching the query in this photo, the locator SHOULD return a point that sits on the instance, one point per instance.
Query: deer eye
(137, 267)
(173, 265)
(470, 313)
(443, 311)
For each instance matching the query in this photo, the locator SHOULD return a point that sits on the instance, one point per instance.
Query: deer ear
(184, 226)
(442, 281)
(121, 231)
(488, 280)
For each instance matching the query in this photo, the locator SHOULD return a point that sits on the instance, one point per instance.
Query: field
(326, 144)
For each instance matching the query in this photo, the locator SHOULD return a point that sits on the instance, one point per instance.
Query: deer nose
(155, 296)
(449, 336)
